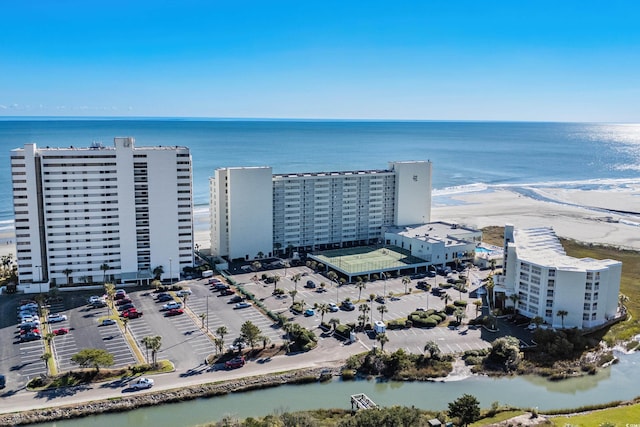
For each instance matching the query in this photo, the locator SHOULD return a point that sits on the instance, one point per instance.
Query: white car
(171, 305)
(95, 299)
(183, 292)
(31, 320)
(141, 383)
(333, 307)
(57, 317)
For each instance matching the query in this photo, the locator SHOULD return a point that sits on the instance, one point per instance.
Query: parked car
(310, 284)
(99, 303)
(226, 292)
(141, 383)
(172, 305)
(242, 305)
(183, 292)
(107, 322)
(124, 301)
(35, 321)
(26, 331)
(220, 286)
(28, 326)
(164, 297)
(30, 336)
(56, 317)
(60, 331)
(93, 299)
(28, 306)
(236, 362)
(125, 307)
(3, 381)
(174, 312)
(380, 299)
(309, 312)
(132, 313)
(348, 306)
(333, 307)
(235, 299)
(28, 318)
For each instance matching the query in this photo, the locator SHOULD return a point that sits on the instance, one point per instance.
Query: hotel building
(79, 210)
(546, 281)
(255, 213)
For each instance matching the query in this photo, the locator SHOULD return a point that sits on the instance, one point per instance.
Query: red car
(174, 312)
(236, 362)
(132, 314)
(25, 331)
(226, 292)
(61, 331)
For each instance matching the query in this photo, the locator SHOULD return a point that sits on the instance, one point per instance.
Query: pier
(361, 401)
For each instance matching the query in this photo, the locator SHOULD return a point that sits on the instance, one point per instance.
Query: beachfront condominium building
(255, 213)
(85, 215)
(540, 279)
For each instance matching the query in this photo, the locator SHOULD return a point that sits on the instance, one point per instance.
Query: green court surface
(367, 258)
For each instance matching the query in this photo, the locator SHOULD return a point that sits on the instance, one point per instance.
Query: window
(586, 306)
(585, 316)
(594, 306)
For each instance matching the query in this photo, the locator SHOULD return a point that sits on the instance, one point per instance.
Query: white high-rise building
(79, 210)
(254, 212)
(562, 290)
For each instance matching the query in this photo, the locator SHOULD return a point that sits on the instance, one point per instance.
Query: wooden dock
(361, 401)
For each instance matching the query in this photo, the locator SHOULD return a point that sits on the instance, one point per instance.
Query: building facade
(309, 211)
(85, 215)
(542, 280)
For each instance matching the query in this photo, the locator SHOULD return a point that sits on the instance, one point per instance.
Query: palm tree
(433, 349)
(360, 285)
(405, 281)
(323, 309)
(219, 343)
(148, 344)
(382, 309)
(323, 286)
(514, 299)
(490, 295)
(222, 331)
(446, 298)
(260, 254)
(293, 294)
(67, 272)
(276, 278)
(334, 321)
(104, 268)
(382, 339)
(256, 265)
(478, 304)
(334, 278)
(202, 317)
(46, 357)
(372, 298)
(110, 290)
(459, 314)
(364, 308)
(154, 345)
(158, 272)
(562, 313)
(296, 278)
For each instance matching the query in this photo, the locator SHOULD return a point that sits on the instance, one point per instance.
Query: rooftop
(433, 232)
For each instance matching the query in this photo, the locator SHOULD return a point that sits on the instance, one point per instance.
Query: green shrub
(435, 318)
(343, 330)
(460, 303)
(397, 324)
(348, 374)
(450, 308)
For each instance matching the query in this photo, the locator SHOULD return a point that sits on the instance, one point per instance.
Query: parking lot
(399, 306)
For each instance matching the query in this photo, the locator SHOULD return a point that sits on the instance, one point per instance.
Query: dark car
(220, 286)
(123, 301)
(125, 307)
(236, 362)
(164, 298)
(235, 299)
(226, 292)
(3, 381)
(310, 284)
(30, 336)
(422, 285)
(380, 299)
(347, 306)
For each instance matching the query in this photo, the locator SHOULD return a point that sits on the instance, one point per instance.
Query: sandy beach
(585, 216)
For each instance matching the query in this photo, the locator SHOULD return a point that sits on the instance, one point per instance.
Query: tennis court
(368, 258)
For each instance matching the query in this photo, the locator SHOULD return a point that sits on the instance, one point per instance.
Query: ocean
(467, 156)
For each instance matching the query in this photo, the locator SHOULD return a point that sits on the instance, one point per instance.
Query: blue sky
(427, 60)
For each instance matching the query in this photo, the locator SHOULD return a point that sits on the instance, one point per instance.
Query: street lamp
(170, 272)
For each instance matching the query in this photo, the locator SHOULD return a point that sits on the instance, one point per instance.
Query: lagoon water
(618, 382)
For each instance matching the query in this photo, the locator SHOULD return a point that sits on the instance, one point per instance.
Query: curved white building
(564, 291)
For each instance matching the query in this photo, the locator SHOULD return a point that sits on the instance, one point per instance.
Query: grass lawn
(622, 331)
(621, 416)
(497, 418)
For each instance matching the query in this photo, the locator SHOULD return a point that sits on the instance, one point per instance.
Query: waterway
(619, 382)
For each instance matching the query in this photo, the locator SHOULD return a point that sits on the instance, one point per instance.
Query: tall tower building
(254, 212)
(85, 215)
